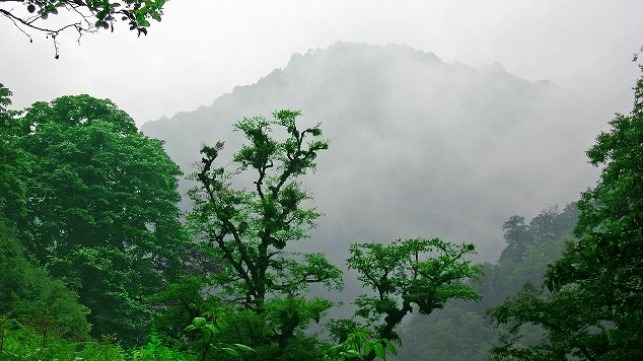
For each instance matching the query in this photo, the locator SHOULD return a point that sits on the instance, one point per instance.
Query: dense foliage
(95, 202)
(32, 297)
(414, 273)
(92, 248)
(462, 330)
(249, 230)
(592, 307)
(13, 162)
(262, 287)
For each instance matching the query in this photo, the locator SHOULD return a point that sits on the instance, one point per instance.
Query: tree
(461, 331)
(30, 295)
(5, 101)
(518, 239)
(552, 222)
(177, 305)
(13, 162)
(414, 273)
(592, 308)
(83, 16)
(101, 208)
(548, 225)
(248, 230)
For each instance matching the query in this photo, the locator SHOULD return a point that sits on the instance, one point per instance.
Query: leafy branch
(81, 16)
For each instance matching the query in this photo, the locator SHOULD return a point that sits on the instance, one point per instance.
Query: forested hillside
(417, 145)
(464, 330)
(358, 231)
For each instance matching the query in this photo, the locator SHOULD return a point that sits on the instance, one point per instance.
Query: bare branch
(89, 18)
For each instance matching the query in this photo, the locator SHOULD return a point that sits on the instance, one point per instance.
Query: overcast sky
(205, 48)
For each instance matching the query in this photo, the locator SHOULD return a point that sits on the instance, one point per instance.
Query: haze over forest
(429, 181)
(418, 146)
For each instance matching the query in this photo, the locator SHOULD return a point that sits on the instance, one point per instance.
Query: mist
(464, 121)
(418, 146)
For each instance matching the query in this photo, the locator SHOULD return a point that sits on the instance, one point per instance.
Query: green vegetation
(248, 230)
(32, 297)
(591, 307)
(420, 273)
(90, 218)
(94, 202)
(462, 330)
(95, 263)
(101, 209)
(358, 345)
(23, 344)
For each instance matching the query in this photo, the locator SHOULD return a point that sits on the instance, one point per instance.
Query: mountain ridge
(419, 147)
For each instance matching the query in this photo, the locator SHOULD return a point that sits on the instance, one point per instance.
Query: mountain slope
(419, 147)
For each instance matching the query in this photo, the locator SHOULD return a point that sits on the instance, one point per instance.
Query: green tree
(5, 101)
(29, 295)
(248, 230)
(548, 225)
(102, 211)
(415, 273)
(553, 222)
(82, 16)
(518, 239)
(461, 331)
(177, 305)
(14, 162)
(592, 308)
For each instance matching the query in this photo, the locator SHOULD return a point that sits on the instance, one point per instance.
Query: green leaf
(244, 347)
(199, 322)
(368, 347)
(354, 353)
(389, 346)
(212, 328)
(379, 350)
(231, 351)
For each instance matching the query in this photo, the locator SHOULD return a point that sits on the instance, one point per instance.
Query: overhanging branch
(19, 22)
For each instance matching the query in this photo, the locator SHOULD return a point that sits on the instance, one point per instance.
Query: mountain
(419, 147)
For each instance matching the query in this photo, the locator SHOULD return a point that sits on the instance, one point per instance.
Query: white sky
(205, 48)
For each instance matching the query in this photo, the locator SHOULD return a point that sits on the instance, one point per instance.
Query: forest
(99, 263)
(357, 220)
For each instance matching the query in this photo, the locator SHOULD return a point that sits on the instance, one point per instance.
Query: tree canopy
(101, 207)
(13, 162)
(592, 307)
(406, 275)
(31, 295)
(248, 230)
